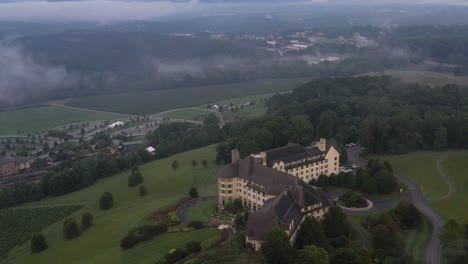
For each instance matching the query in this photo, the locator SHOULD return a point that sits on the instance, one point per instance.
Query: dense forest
(386, 115)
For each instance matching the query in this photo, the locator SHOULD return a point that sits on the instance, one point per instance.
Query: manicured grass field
(100, 243)
(425, 77)
(202, 210)
(188, 114)
(149, 102)
(156, 248)
(421, 167)
(455, 166)
(40, 119)
(416, 240)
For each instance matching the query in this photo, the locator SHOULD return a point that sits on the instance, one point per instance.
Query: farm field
(18, 224)
(421, 167)
(425, 77)
(165, 187)
(40, 119)
(148, 102)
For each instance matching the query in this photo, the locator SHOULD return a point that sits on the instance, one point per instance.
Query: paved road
(414, 195)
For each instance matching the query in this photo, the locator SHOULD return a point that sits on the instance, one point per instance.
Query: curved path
(444, 176)
(414, 195)
(364, 239)
(218, 114)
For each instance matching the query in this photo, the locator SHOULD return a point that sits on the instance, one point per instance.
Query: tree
(142, 190)
(276, 247)
(38, 243)
(452, 238)
(106, 201)
(204, 163)
(71, 228)
(343, 155)
(311, 233)
(407, 214)
(343, 256)
(386, 182)
(194, 163)
(312, 254)
(440, 138)
(235, 206)
(193, 246)
(135, 178)
(193, 192)
(86, 220)
(334, 222)
(175, 165)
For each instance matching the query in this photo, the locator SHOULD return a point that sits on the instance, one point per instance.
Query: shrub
(106, 201)
(142, 190)
(193, 192)
(175, 256)
(38, 243)
(86, 220)
(129, 241)
(135, 178)
(196, 224)
(71, 228)
(407, 215)
(352, 199)
(193, 246)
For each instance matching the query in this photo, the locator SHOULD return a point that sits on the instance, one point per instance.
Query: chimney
(235, 155)
(322, 144)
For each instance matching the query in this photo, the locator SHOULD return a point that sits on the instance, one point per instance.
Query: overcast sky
(113, 10)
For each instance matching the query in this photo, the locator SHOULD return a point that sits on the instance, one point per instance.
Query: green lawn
(149, 102)
(152, 250)
(188, 114)
(202, 210)
(40, 119)
(455, 166)
(100, 244)
(421, 167)
(424, 77)
(416, 240)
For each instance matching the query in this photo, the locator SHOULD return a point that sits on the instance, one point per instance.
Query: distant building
(14, 165)
(151, 150)
(116, 124)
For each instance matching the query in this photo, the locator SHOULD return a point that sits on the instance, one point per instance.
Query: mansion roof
(294, 152)
(287, 209)
(262, 178)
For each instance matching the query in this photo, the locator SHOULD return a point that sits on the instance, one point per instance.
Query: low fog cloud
(22, 78)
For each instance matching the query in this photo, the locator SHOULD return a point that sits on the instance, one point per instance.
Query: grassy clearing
(202, 210)
(455, 167)
(148, 102)
(40, 119)
(421, 167)
(152, 250)
(425, 77)
(416, 240)
(188, 114)
(100, 243)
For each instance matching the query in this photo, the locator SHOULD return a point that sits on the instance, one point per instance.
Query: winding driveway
(415, 195)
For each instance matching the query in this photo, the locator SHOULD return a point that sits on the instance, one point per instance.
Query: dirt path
(444, 176)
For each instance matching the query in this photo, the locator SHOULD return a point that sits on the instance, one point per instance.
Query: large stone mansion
(273, 185)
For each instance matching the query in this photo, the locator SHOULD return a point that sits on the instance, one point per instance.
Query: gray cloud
(21, 77)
